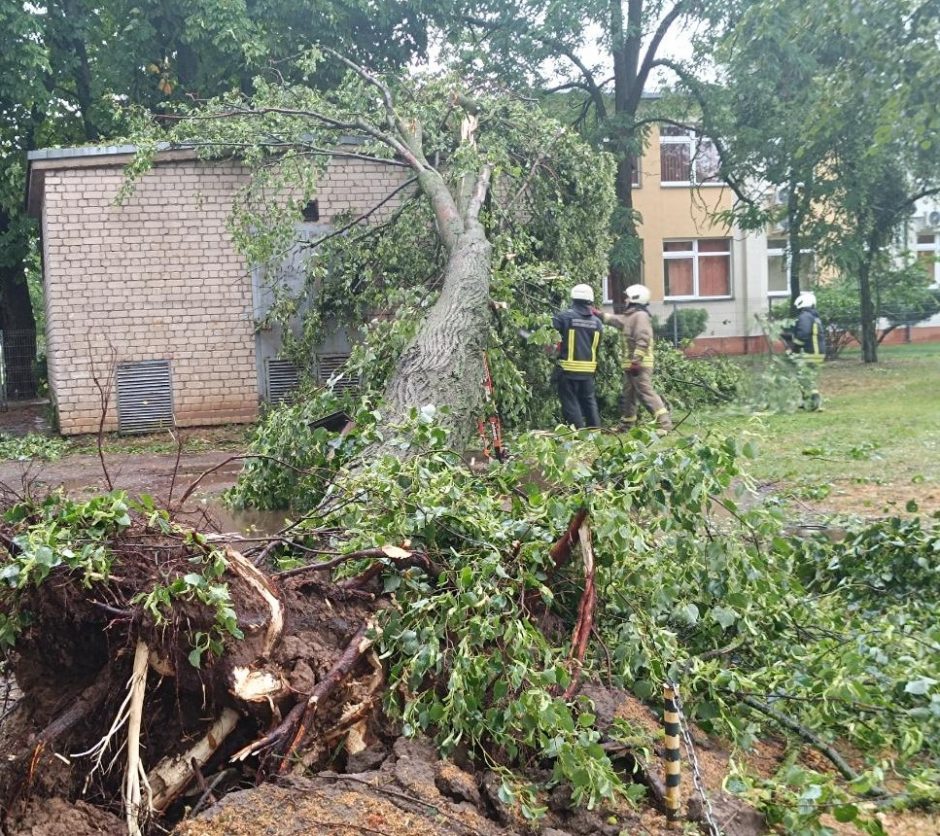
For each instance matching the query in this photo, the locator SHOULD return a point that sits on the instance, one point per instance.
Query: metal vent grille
(144, 396)
(280, 379)
(330, 365)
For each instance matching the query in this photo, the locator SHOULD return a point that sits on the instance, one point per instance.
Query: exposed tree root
(135, 774)
(85, 703)
(585, 622)
(560, 553)
(172, 775)
(259, 582)
(359, 645)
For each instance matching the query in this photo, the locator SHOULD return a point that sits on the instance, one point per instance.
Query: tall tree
(830, 102)
(453, 143)
(546, 42)
(22, 97)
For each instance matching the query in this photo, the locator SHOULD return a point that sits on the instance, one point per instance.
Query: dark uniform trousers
(578, 400)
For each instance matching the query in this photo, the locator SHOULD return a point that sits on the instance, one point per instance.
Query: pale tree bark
(442, 365)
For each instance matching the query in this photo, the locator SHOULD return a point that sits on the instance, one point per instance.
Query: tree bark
(869, 337)
(443, 364)
(625, 48)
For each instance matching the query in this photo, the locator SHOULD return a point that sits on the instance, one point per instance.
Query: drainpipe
(747, 291)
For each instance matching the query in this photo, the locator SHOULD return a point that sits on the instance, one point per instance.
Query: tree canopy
(829, 103)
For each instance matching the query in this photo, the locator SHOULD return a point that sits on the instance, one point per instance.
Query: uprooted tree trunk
(443, 364)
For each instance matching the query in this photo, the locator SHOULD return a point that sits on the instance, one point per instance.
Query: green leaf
(724, 616)
(845, 813)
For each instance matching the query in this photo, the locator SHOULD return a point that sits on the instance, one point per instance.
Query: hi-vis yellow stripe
(589, 366)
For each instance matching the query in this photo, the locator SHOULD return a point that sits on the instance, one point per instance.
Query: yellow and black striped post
(673, 765)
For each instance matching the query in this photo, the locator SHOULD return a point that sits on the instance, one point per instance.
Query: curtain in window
(675, 161)
(679, 277)
(706, 162)
(776, 274)
(714, 275)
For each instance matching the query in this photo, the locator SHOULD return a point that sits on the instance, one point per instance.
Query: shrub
(689, 383)
(683, 324)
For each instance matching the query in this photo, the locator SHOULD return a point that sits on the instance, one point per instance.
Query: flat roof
(80, 151)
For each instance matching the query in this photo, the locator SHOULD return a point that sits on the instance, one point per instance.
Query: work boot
(815, 402)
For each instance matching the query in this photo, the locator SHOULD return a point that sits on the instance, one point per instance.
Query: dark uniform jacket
(809, 336)
(580, 335)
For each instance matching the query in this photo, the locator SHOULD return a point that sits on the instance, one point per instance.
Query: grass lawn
(875, 446)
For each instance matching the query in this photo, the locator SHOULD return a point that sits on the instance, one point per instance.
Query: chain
(697, 779)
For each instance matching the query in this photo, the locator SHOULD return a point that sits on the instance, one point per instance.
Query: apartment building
(692, 259)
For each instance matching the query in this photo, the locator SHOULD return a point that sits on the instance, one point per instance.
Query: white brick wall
(158, 278)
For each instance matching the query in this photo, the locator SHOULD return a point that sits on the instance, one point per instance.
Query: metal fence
(17, 366)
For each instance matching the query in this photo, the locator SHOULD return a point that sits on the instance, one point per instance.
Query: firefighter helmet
(638, 294)
(807, 299)
(582, 293)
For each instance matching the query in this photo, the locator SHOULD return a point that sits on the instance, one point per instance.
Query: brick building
(150, 297)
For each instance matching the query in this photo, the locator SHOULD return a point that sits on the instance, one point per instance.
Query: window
(778, 268)
(635, 172)
(686, 158)
(928, 254)
(697, 269)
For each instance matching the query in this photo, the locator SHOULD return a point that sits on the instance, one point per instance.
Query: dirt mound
(413, 791)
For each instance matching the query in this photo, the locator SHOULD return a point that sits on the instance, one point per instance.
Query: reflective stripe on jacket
(580, 335)
(809, 336)
(637, 327)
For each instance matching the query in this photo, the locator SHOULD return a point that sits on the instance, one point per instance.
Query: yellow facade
(673, 212)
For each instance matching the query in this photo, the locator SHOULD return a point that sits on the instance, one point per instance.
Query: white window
(778, 268)
(686, 158)
(699, 268)
(928, 254)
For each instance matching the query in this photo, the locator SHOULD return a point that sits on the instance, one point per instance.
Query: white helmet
(638, 294)
(807, 299)
(582, 293)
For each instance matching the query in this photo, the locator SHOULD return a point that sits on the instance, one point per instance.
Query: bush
(293, 463)
(689, 383)
(683, 324)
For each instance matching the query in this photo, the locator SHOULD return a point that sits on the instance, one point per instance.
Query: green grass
(880, 427)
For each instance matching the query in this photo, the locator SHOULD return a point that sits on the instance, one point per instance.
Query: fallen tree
(503, 205)
(513, 616)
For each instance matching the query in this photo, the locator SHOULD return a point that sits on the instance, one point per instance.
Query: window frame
(693, 139)
(695, 255)
(934, 249)
(784, 251)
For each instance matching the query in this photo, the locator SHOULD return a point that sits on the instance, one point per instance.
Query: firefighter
(580, 333)
(807, 340)
(637, 327)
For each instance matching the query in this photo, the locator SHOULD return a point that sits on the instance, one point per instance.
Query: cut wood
(172, 775)
(257, 580)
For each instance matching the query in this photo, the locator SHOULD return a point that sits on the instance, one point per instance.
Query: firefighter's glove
(635, 368)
